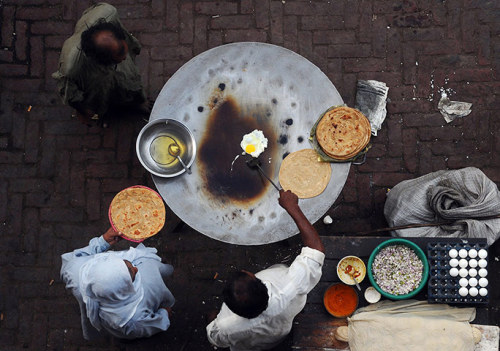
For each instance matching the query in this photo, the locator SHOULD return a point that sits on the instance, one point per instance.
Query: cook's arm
(310, 237)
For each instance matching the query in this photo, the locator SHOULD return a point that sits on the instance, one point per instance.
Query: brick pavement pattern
(57, 177)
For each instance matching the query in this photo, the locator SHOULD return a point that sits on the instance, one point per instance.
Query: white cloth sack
(411, 325)
(463, 196)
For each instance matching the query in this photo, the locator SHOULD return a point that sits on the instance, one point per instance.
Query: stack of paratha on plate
(137, 212)
(343, 132)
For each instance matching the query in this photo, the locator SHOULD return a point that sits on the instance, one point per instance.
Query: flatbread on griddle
(303, 173)
(343, 132)
(137, 212)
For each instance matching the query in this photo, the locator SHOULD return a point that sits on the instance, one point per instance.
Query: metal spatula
(254, 163)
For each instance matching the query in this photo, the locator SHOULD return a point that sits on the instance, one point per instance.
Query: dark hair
(245, 295)
(101, 54)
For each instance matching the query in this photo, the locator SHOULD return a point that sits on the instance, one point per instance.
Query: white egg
(453, 253)
(254, 143)
(472, 253)
(472, 281)
(463, 291)
(462, 253)
(483, 282)
(473, 292)
(463, 263)
(453, 272)
(453, 262)
(472, 272)
(482, 263)
(463, 281)
(483, 292)
(483, 272)
(482, 253)
(463, 272)
(473, 263)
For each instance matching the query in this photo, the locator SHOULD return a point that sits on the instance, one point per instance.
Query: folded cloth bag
(466, 197)
(411, 325)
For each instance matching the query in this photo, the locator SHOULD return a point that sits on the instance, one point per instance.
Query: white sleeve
(305, 271)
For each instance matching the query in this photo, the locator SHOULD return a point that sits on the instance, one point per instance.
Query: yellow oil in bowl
(159, 150)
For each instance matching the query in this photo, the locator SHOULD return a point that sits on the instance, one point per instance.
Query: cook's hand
(112, 236)
(288, 200)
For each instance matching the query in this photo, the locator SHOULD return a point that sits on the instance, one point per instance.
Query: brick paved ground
(57, 177)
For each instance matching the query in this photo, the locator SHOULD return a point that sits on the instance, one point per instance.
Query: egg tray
(442, 287)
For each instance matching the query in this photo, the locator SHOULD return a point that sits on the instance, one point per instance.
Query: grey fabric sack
(463, 196)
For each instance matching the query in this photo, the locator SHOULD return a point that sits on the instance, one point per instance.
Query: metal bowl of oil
(153, 142)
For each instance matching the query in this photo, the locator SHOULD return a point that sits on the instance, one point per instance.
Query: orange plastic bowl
(340, 300)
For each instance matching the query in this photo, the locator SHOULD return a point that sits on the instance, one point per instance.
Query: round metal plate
(258, 75)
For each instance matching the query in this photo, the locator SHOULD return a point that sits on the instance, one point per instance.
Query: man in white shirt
(258, 309)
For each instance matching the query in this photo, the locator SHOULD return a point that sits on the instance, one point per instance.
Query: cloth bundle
(462, 196)
(411, 325)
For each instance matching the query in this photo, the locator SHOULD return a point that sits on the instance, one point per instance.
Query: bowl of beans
(398, 269)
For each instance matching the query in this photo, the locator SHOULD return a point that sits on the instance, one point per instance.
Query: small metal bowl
(152, 147)
(347, 264)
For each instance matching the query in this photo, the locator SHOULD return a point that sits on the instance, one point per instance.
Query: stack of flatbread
(137, 212)
(343, 132)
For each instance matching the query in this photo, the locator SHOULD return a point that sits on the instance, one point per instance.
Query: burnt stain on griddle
(283, 139)
(285, 155)
(222, 86)
(200, 108)
(226, 125)
(300, 139)
(289, 122)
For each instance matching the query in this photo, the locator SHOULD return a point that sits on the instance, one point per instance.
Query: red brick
(51, 28)
(172, 14)
(379, 38)
(276, 26)
(334, 37)
(290, 32)
(186, 25)
(37, 13)
(319, 22)
(133, 11)
(167, 54)
(214, 8)
(200, 35)
(105, 170)
(473, 75)
(235, 35)
(469, 30)
(364, 65)
(389, 180)
(365, 25)
(93, 199)
(381, 165)
(8, 25)
(262, 14)
(159, 39)
(246, 7)
(301, 8)
(231, 22)
(12, 70)
(349, 50)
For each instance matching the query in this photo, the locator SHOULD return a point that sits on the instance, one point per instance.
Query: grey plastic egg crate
(442, 287)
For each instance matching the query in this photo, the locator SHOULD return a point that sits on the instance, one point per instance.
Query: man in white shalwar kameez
(121, 292)
(258, 309)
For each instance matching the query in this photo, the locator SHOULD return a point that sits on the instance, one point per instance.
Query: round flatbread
(343, 132)
(137, 212)
(303, 173)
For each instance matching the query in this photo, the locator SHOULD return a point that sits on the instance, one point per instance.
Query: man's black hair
(245, 295)
(101, 54)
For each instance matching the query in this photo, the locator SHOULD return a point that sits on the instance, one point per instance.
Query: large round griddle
(255, 75)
